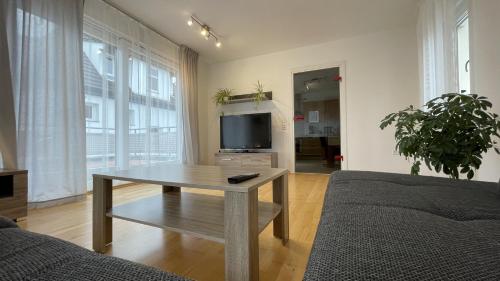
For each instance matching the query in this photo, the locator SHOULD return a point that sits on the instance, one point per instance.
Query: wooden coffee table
(235, 219)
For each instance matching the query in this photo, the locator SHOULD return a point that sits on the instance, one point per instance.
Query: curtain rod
(140, 21)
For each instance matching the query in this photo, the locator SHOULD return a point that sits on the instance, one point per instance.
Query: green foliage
(222, 96)
(259, 95)
(449, 135)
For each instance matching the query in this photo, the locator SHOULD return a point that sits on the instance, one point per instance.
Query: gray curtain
(188, 68)
(8, 155)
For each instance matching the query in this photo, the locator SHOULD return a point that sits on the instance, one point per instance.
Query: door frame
(342, 104)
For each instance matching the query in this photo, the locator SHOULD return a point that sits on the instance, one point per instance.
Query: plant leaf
(470, 174)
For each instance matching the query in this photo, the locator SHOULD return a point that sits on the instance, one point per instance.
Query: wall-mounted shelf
(248, 98)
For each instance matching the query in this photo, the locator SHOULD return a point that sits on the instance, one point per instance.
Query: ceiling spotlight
(205, 30)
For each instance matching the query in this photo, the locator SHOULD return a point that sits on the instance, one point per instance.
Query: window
(171, 95)
(131, 117)
(463, 55)
(442, 32)
(151, 110)
(153, 136)
(110, 67)
(313, 116)
(131, 82)
(88, 112)
(154, 79)
(99, 104)
(92, 112)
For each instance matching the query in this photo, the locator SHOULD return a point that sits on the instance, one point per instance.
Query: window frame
(110, 76)
(94, 111)
(154, 69)
(131, 117)
(461, 19)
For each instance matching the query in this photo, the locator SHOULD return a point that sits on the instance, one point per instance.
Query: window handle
(467, 66)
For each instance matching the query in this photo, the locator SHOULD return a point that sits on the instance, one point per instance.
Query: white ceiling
(255, 27)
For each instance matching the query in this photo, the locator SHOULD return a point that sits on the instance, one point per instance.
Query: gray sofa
(28, 256)
(380, 226)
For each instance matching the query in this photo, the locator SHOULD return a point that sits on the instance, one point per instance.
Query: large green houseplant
(449, 134)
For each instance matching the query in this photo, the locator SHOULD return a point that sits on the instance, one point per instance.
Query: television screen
(247, 131)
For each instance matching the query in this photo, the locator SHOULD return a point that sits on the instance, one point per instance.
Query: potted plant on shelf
(259, 95)
(222, 96)
(450, 134)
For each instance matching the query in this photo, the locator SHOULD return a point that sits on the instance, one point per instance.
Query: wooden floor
(185, 255)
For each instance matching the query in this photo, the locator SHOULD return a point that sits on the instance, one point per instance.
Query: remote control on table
(242, 178)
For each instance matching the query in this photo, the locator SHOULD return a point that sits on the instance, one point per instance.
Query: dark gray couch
(28, 256)
(380, 226)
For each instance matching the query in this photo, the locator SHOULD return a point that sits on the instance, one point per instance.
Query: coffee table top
(195, 176)
(8, 172)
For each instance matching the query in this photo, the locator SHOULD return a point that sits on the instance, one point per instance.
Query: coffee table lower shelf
(195, 214)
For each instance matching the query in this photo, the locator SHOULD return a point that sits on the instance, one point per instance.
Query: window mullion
(148, 107)
(122, 106)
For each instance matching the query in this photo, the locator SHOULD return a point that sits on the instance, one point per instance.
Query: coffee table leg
(241, 233)
(167, 188)
(280, 196)
(102, 227)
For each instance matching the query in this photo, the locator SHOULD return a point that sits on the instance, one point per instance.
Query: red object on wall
(298, 117)
(337, 78)
(339, 158)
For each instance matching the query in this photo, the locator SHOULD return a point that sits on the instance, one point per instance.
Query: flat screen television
(246, 131)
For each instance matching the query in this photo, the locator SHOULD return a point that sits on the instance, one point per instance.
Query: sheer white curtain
(45, 46)
(131, 92)
(437, 33)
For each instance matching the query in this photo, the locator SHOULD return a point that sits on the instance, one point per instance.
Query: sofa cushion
(454, 199)
(377, 226)
(29, 256)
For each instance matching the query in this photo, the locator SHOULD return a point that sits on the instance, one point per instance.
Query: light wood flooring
(185, 255)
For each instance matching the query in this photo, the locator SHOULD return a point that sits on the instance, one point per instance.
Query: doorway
(317, 121)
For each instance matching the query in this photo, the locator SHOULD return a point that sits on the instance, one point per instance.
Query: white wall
(381, 77)
(485, 67)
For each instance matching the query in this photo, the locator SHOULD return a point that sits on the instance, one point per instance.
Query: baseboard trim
(56, 202)
(70, 199)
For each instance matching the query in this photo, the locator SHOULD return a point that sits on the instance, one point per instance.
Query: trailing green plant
(449, 134)
(222, 96)
(259, 95)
